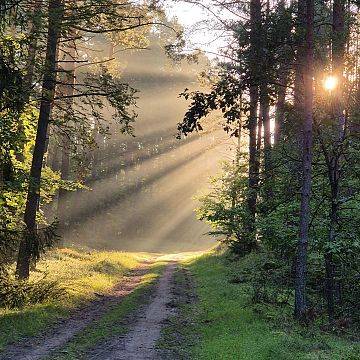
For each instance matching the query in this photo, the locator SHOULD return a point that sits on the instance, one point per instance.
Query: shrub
(19, 293)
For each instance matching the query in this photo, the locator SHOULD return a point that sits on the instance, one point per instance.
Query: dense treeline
(292, 70)
(288, 87)
(58, 94)
(72, 163)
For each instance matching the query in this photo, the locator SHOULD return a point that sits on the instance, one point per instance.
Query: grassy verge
(81, 273)
(229, 326)
(179, 328)
(113, 323)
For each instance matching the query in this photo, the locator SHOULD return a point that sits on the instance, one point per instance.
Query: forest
(179, 179)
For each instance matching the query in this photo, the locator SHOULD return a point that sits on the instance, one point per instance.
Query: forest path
(140, 342)
(42, 346)
(144, 324)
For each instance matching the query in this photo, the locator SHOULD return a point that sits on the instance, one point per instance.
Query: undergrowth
(63, 280)
(230, 323)
(18, 294)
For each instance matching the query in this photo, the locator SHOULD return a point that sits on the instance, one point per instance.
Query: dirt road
(139, 342)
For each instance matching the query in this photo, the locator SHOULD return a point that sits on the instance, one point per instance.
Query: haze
(143, 188)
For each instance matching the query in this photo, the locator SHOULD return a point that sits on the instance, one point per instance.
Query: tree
(301, 257)
(55, 15)
(334, 161)
(70, 104)
(255, 35)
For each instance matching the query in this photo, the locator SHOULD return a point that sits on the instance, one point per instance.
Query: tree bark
(64, 170)
(30, 64)
(301, 256)
(253, 163)
(239, 133)
(255, 30)
(280, 105)
(29, 68)
(265, 114)
(55, 13)
(282, 78)
(300, 56)
(338, 52)
(300, 70)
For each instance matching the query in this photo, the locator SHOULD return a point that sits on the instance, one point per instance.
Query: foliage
(277, 230)
(261, 73)
(78, 109)
(17, 294)
(225, 96)
(230, 323)
(223, 207)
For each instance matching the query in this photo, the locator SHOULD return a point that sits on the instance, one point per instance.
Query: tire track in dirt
(140, 342)
(63, 331)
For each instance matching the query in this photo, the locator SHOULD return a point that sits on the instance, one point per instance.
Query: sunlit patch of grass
(82, 273)
(229, 328)
(112, 323)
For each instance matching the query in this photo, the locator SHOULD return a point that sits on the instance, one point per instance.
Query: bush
(19, 293)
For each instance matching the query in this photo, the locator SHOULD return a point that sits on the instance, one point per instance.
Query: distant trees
(300, 138)
(42, 100)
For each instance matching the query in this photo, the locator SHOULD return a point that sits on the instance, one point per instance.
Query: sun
(330, 83)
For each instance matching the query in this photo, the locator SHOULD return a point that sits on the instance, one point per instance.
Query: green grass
(112, 323)
(178, 329)
(229, 328)
(81, 273)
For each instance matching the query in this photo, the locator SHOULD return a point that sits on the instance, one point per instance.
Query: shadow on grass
(224, 324)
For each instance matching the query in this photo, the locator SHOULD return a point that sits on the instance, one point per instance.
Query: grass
(111, 324)
(230, 327)
(81, 273)
(179, 329)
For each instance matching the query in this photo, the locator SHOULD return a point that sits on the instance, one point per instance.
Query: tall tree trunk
(282, 78)
(300, 56)
(35, 27)
(259, 135)
(253, 164)
(255, 25)
(338, 51)
(54, 159)
(265, 114)
(95, 153)
(300, 70)
(55, 13)
(30, 67)
(301, 256)
(280, 104)
(239, 133)
(64, 170)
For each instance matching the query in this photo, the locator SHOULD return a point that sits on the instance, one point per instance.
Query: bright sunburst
(330, 83)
